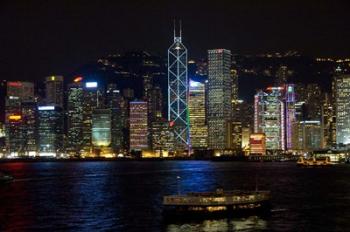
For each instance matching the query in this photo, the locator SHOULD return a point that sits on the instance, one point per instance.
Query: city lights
(46, 108)
(78, 79)
(15, 117)
(126, 114)
(174, 116)
(91, 84)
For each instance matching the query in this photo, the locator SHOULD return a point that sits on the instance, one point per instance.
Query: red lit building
(257, 143)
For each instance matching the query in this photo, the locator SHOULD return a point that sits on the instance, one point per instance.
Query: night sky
(40, 38)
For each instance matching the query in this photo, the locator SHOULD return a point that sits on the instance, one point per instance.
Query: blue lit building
(178, 93)
(101, 128)
(50, 131)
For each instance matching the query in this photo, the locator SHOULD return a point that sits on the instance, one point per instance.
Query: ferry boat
(314, 162)
(216, 203)
(5, 178)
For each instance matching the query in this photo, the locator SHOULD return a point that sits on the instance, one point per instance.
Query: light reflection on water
(252, 223)
(127, 196)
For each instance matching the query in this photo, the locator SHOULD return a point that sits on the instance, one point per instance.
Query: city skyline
(174, 115)
(138, 104)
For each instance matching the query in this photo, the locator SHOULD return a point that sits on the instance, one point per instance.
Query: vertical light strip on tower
(290, 113)
(178, 92)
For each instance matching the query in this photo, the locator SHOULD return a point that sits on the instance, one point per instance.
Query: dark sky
(44, 37)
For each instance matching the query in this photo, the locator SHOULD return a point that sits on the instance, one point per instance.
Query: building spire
(180, 29)
(177, 37)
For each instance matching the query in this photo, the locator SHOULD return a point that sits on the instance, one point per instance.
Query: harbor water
(127, 195)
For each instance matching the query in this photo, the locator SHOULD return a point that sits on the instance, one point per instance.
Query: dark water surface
(127, 196)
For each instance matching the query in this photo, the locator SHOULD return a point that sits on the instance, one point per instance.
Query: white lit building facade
(343, 109)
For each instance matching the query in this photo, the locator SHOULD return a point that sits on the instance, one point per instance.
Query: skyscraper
(50, 131)
(21, 89)
(219, 99)
(138, 121)
(234, 76)
(101, 128)
(75, 117)
(311, 95)
(290, 113)
(155, 99)
(343, 109)
(92, 99)
(54, 90)
(328, 122)
(162, 136)
(269, 117)
(178, 93)
(29, 127)
(14, 136)
(307, 136)
(17, 93)
(196, 108)
(115, 102)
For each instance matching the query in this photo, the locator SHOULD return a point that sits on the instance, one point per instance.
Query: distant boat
(284, 159)
(314, 162)
(215, 203)
(5, 178)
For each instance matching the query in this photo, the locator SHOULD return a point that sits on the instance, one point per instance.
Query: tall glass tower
(342, 109)
(178, 93)
(219, 99)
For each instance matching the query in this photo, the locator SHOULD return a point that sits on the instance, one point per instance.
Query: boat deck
(217, 198)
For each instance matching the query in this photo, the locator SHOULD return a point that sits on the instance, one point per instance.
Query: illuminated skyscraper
(328, 122)
(155, 100)
(138, 121)
(92, 99)
(307, 136)
(54, 90)
(196, 108)
(236, 135)
(234, 77)
(17, 92)
(219, 99)
(29, 127)
(342, 105)
(75, 117)
(311, 95)
(14, 136)
(178, 93)
(21, 89)
(50, 131)
(242, 124)
(101, 127)
(290, 113)
(162, 136)
(114, 102)
(269, 117)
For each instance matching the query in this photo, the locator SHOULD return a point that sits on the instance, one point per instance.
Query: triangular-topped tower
(178, 92)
